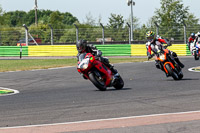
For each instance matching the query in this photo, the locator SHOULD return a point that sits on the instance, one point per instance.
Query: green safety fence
(115, 49)
(13, 51)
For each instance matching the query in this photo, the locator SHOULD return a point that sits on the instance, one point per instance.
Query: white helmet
(198, 34)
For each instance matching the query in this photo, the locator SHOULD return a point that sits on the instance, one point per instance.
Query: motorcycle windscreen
(81, 56)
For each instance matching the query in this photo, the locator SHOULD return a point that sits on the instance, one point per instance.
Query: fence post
(0, 38)
(185, 36)
(26, 34)
(129, 27)
(103, 35)
(20, 50)
(76, 33)
(157, 28)
(51, 34)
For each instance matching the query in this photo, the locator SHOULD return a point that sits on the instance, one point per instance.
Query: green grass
(196, 69)
(23, 65)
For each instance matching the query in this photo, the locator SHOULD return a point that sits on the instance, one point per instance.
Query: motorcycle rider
(156, 44)
(147, 44)
(197, 39)
(83, 47)
(191, 39)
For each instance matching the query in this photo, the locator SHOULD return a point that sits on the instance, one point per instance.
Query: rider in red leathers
(156, 44)
(191, 39)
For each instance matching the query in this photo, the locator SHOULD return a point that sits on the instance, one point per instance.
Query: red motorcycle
(98, 73)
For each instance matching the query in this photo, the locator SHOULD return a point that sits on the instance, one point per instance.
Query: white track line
(191, 69)
(99, 120)
(15, 91)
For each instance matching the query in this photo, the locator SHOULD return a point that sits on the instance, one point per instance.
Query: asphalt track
(61, 96)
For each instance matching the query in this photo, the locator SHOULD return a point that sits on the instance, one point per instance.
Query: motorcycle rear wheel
(96, 81)
(119, 83)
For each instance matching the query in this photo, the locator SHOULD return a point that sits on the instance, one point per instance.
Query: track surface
(56, 96)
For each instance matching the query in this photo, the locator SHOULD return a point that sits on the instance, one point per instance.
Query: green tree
(116, 21)
(56, 19)
(30, 19)
(1, 18)
(173, 12)
(69, 19)
(15, 18)
(171, 16)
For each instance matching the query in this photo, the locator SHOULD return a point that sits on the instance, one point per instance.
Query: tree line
(170, 18)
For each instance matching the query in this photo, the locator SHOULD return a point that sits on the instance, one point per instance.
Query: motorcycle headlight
(162, 57)
(85, 66)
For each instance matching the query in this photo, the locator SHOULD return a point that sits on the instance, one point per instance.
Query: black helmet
(81, 45)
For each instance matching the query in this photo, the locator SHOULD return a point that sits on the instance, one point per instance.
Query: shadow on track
(184, 79)
(113, 89)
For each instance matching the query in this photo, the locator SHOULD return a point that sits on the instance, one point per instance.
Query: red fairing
(102, 68)
(99, 66)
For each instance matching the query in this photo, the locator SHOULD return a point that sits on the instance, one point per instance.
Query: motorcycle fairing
(102, 68)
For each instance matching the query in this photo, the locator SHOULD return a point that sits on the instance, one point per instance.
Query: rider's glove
(97, 57)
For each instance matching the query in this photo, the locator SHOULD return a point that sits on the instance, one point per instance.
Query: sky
(143, 9)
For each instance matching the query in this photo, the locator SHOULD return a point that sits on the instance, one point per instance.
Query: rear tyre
(119, 83)
(97, 81)
(196, 57)
(171, 72)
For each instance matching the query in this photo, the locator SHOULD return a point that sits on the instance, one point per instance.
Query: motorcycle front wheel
(97, 81)
(171, 72)
(196, 57)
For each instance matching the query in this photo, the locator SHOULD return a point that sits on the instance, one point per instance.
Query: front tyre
(180, 76)
(97, 81)
(119, 83)
(171, 72)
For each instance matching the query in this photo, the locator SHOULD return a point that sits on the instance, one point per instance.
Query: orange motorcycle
(168, 64)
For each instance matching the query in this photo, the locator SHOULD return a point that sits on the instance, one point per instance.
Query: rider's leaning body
(197, 39)
(156, 44)
(83, 47)
(191, 38)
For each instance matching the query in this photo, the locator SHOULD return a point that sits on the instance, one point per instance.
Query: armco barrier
(115, 50)
(13, 51)
(140, 49)
(180, 49)
(52, 50)
(70, 50)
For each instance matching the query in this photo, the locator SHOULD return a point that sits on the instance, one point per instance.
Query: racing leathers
(196, 40)
(90, 48)
(190, 40)
(156, 45)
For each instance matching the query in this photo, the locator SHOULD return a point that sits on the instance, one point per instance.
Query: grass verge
(23, 65)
